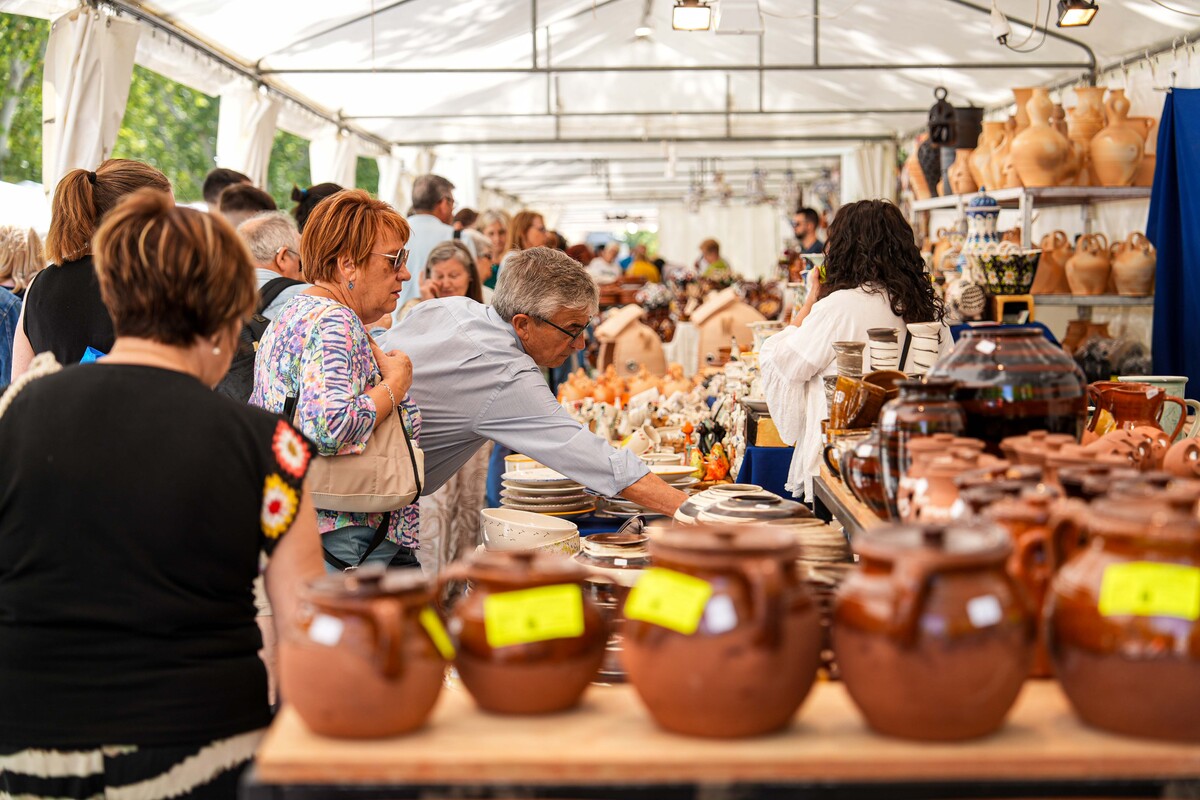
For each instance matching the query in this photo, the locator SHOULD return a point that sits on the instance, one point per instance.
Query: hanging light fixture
(1076, 13)
(691, 15)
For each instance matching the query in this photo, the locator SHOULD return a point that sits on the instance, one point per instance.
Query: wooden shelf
(1090, 300)
(1041, 197)
(844, 506)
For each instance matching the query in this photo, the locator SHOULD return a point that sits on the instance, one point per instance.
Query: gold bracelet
(388, 389)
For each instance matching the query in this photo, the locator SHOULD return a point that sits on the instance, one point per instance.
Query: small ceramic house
(628, 344)
(721, 319)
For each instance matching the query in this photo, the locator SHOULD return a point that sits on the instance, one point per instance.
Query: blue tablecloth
(767, 467)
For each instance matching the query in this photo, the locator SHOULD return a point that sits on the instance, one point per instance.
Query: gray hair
(429, 190)
(266, 232)
(449, 250)
(490, 216)
(477, 243)
(541, 282)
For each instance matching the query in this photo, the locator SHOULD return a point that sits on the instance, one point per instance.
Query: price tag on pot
(669, 599)
(1150, 589)
(533, 615)
(432, 624)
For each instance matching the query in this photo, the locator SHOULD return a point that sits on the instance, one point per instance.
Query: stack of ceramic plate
(676, 475)
(544, 491)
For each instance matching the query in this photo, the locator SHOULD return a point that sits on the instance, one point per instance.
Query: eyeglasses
(398, 259)
(563, 331)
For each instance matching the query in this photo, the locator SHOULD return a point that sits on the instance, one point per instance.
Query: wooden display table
(841, 505)
(610, 746)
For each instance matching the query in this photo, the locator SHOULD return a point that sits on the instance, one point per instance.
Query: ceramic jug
(722, 637)
(1117, 149)
(368, 654)
(1021, 96)
(1051, 277)
(1088, 268)
(1123, 612)
(959, 173)
(1122, 405)
(1000, 153)
(933, 637)
(1085, 120)
(981, 157)
(862, 473)
(530, 639)
(1133, 264)
(1145, 171)
(924, 408)
(1174, 385)
(1040, 153)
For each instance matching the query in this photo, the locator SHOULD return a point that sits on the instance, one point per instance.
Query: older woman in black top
(134, 504)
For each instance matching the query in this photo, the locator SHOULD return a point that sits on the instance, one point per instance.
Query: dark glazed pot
(933, 637)
(748, 664)
(1012, 381)
(862, 474)
(925, 407)
(1123, 613)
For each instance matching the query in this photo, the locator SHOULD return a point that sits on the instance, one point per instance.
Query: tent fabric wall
(869, 173)
(246, 132)
(391, 176)
(89, 66)
(332, 159)
(750, 236)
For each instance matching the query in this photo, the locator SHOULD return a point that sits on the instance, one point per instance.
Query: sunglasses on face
(397, 259)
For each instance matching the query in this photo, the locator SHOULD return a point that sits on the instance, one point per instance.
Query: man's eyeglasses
(398, 259)
(563, 331)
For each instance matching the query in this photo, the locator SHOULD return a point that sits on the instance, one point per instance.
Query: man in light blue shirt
(477, 376)
(433, 209)
(274, 244)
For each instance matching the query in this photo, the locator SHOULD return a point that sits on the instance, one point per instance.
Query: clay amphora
(1040, 153)
(1122, 613)
(961, 181)
(1051, 277)
(1133, 264)
(1085, 120)
(530, 640)
(1088, 268)
(1125, 405)
(925, 407)
(721, 636)
(981, 157)
(933, 637)
(1008, 170)
(1000, 152)
(368, 655)
(1022, 116)
(1116, 150)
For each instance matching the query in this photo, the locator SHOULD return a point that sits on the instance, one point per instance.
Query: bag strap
(417, 476)
(272, 289)
(42, 364)
(904, 350)
(376, 540)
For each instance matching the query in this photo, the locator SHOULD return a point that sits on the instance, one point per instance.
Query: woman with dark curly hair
(874, 277)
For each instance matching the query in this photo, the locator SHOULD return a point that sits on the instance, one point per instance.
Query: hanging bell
(941, 120)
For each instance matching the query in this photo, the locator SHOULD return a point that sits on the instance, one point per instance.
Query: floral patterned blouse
(318, 350)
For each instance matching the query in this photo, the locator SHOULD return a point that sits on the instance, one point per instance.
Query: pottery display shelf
(832, 494)
(610, 747)
(1085, 303)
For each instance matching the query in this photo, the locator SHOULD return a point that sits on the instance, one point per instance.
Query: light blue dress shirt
(473, 382)
(427, 233)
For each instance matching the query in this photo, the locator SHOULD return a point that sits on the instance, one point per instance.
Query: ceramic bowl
(662, 458)
(510, 529)
(1007, 273)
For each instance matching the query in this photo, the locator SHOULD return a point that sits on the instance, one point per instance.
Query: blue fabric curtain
(1174, 228)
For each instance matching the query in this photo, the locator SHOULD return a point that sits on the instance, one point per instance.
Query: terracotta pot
(1039, 387)
(1000, 157)
(981, 157)
(862, 473)
(616, 561)
(530, 639)
(928, 493)
(1008, 170)
(1125, 405)
(1117, 149)
(1034, 447)
(1183, 459)
(1122, 614)
(1088, 268)
(1040, 153)
(1133, 265)
(1051, 277)
(924, 407)
(933, 637)
(1022, 116)
(1145, 171)
(740, 656)
(1086, 119)
(362, 663)
(1076, 332)
(961, 180)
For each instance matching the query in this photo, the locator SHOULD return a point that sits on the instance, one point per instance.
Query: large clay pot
(1021, 96)
(961, 181)
(530, 639)
(933, 638)
(1000, 153)
(1123, 628)
(862, 473)
(1040, 153)
(1051, 277)
(1008, 170)
(1088, 268)
(722, 637)
(363, 661)
(1117, 150)
(1012, 381)
(925, 407)
(981, 156)
(1133, 265)
(1085, 120)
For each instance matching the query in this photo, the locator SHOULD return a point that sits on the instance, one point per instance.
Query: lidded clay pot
(722, 638)
(754, 507)
(933, 637)
(366, 659)
(925, 407)
(530, 639)
(1123, 615)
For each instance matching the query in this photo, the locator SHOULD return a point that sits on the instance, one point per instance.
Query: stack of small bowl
(544, 491)
(506, 529)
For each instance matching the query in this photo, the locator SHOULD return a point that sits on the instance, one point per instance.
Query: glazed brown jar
(721, 636)
(933, 637)
(530, 640)
(368, 655)
(1123, 618)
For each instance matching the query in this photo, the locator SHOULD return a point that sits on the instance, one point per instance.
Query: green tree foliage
(289, 167)
(366, 175)
(23, 52)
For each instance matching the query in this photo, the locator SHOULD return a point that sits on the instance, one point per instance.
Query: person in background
(874, 278)
(24, 248)
(603, 268)
(274, 245)
(710, 265)
(128, 651)
(62, 312)
(556, 241)
(638, 252)
(805, 224)
(217, 180)
(242, 201)
(10, 313)
(481, 249)
(643, 267)
(449, 272)
(494, 224)
(433, 211)
(528, 229)
(307, 199)
(318, 351)
(581, 253)
(464, 219)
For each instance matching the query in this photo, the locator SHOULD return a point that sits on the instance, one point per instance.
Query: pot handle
(1067, 534)
(766, 587)
(1194, 430)
(1183, 412)
(1023, 561)
(387, 618)
(833, 463)
(911, 578)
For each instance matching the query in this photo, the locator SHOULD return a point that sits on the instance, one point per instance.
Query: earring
(351, 285)
(216, 351)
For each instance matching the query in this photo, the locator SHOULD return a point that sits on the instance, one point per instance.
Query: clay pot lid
(759, 506)
(1031, 507)
(368, 582)
(953, 545)
(989, 332)
(523, 568)
(723, 540)
(1171, 518)
(982, 203)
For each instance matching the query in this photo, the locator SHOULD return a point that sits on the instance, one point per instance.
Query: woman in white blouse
(874, 278)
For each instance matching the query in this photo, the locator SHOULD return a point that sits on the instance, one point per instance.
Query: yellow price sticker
(1150, 589)
(432, 624)
(533, 615)
(670, 599)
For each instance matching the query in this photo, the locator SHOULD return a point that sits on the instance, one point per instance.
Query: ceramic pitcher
(1116, 150)
(1040, 153)
(1175, 386)
(1127, 405)
(1133, 265)
(1051, 277)
(1088, 268)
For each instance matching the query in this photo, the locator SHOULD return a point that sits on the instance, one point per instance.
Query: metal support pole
(816, 33)
(533, 30)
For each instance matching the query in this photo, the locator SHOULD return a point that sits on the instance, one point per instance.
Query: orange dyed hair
(346, 224)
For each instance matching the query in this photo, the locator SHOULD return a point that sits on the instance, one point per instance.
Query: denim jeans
(351, 542)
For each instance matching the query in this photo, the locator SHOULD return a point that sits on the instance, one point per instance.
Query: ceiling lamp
(643, 31)
(1076, 13)
(691, 15)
